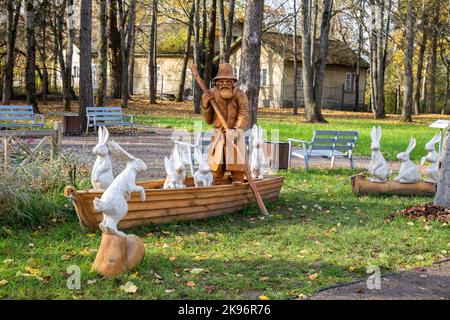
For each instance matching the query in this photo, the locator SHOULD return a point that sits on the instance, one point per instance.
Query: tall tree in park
(319, 74)
(13, 19)
(442, 197)
(295, 49)
(312, 110)
(115, 54)
(102, 54)
(152, 66)
(360, 48)
(67, 75)
(434, 53)
(126, 40)
(446, 63)
(44, 14)
(378, 50)
(408, 76)
(30, 66)
(211, 39)
(249, 73)
(197, 58)
(226, 30)
(86, 94)
(422, 46)
(187, 48)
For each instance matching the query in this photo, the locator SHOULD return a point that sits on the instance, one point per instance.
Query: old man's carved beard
(226, 92)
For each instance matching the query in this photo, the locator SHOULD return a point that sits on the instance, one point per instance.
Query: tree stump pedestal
(117, 255)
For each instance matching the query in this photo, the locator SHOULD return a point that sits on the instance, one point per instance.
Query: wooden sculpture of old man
(233, 103)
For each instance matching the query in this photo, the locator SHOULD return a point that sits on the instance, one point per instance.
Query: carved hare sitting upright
(102, 175)
(432, 157)
(175, 169)
(409, 172)
(258, 159)
(203, 177)
(378, 167)
(113, 202)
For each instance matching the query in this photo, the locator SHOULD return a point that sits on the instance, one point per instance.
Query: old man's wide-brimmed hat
(225, 72)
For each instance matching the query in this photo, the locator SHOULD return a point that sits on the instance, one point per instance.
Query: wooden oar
(251, 182)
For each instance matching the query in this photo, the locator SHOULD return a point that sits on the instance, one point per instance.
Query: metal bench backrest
(342, 141)
(17, 113)
(105, 114)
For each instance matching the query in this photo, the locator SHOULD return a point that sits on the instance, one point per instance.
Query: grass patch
(311, 240)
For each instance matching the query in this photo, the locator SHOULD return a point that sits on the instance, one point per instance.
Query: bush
(32, 194)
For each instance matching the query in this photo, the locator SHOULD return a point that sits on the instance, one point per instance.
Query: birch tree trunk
(187, 48)
(229, 31)
(115, 55)
(197, 61)
(250, 69)
(67, 75)
(312, 112)
(30, 66)
(294, 102)
(408, 77)
(13, 20)
(321, 59)
(126, 43)
(432, 76)
(86, 98)
(103, 55)
(211, 39)
(152, 67)
(442, 196)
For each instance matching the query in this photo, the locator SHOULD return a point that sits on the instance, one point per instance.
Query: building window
(299, 78)
(350, 81)
(263, 76)
(76, 71)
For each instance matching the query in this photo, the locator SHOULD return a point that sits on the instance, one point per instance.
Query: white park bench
(20, 116)
(108, 116)
(324, 144)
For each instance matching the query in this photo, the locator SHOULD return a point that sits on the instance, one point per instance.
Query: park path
(151, 144)
(431, 283)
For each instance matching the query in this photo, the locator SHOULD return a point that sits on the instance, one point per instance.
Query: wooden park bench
(108, 116)
(324, 144)
(20, 116)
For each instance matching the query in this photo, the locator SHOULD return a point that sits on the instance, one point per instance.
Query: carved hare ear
(198, 156)
(379, 133)
(119, 152)
(255, 131)
(261, 133)
(411, 146)
(100, 135)
(105, 137)
(373, 133)
(436, 138)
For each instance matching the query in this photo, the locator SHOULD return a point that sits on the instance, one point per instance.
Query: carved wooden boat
(362, 186)
(167, 205)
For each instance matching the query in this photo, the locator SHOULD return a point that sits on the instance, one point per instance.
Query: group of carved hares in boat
(409, 171)
(117, 191)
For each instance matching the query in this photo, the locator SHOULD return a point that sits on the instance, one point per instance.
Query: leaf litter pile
(427, 211)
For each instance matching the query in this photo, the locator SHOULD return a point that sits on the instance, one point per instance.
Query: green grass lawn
(395, 134)
(309, 241)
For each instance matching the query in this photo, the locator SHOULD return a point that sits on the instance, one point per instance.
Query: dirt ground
(432, 283)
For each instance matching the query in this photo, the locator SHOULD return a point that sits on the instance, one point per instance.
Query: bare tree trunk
(419, 73)
(30, 67)
(131, 66)
(115, 55)
(442, 197)
(152, 66)
(197, 61)
(447, 80)
(67, 74)
(323, 49)
(103, 55)
(229, 31)
(186, 55)
(294, 39)
(44, 51)
(312, 112)
(424, 94)
(249, 74)
(86, 98)
(434, 42)
(373, 61)
(126, 43)
(55, 53)
(211, 38)
(358, 61)
(408, 78)
(380, 59)
(222, 31)
(13, 20)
